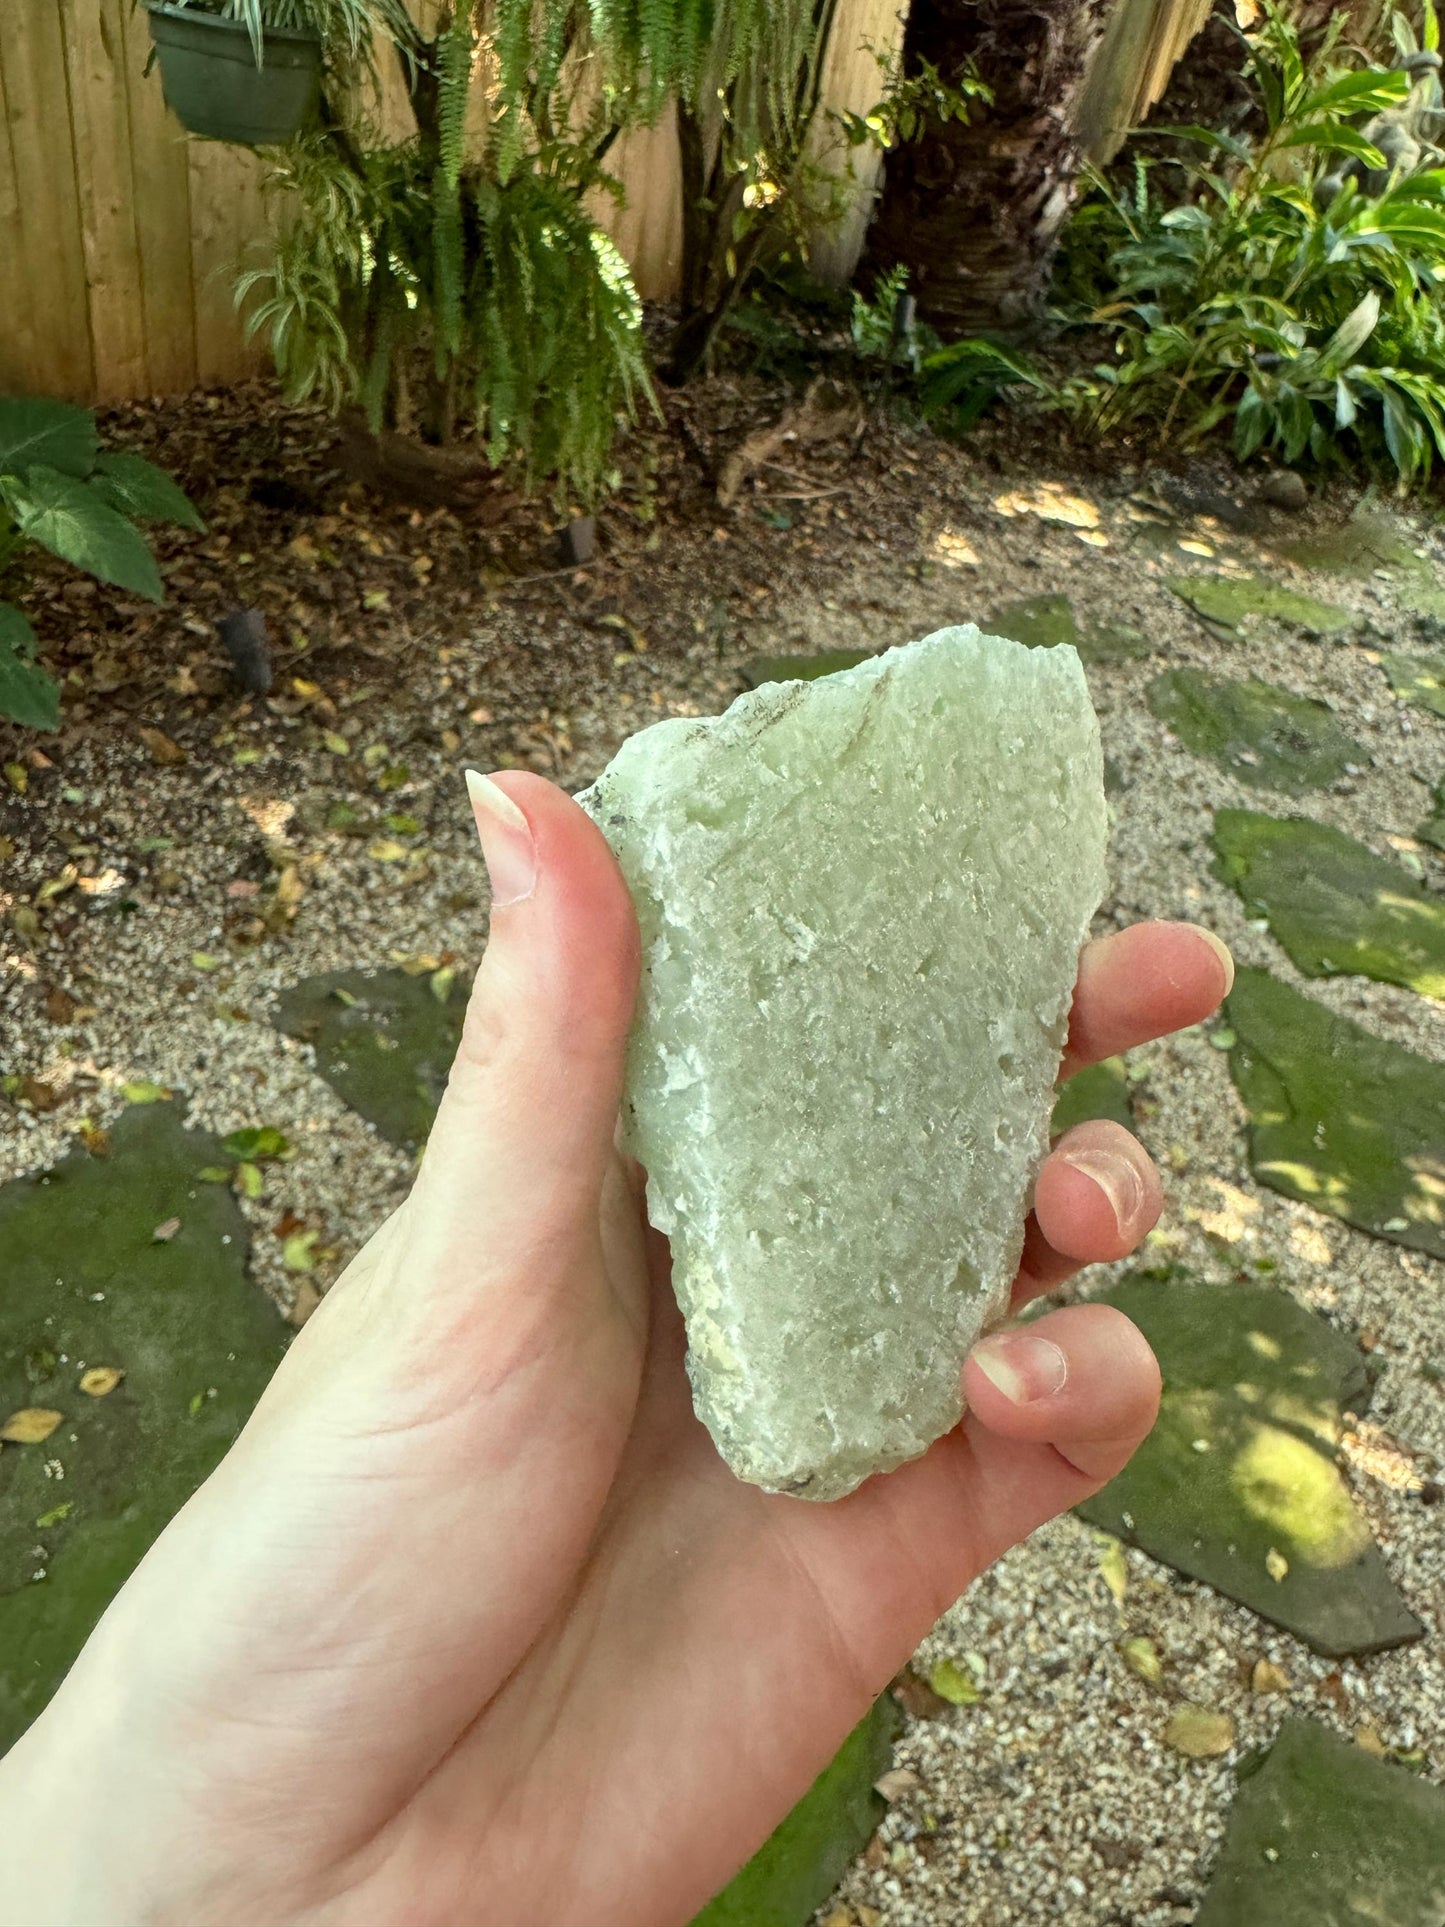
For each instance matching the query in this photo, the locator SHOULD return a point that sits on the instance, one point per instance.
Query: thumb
(524, 1132)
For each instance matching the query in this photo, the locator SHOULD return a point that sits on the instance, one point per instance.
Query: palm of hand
(474, 1624)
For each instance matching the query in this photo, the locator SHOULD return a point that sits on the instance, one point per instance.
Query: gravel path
(1053, 1798)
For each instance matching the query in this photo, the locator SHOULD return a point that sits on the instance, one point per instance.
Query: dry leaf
(163, 1233)
(38, 1095)
(27, 925)
(95, 1140)
(1276, 1565)
(1141, 1656)
(917, 1697)
(289, 888)
(1367, 1739)
(32, 1425)
(1268, 1678)
(1113, 1565)
(60, 1006)
(162, 749)
(100, 1379)
(1199, 1733)
(306, 1300)
(896, 1782)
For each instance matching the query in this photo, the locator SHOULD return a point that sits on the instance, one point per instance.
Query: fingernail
(507, 846)
(1023, 1367)
(1117, 1177)
(1221, 950)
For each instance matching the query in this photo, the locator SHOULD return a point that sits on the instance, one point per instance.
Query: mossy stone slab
(1099, 1090)
(1357, 549)
(1432, 830)
(1242, 1464)
(1229, 599)
(1350, 1123)
(1336, 907)
(807, 1854)
(763, 669)
(1417, 679)
(84, 1282)
(384, 1042)
(1322, 1835)
(1044, 621)
(1266, 736)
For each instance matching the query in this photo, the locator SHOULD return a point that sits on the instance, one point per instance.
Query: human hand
(473, 1625)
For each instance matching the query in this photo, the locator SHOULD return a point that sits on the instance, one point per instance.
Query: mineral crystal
(862, 901)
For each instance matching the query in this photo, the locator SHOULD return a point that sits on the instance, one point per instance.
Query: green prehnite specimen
(862, 900)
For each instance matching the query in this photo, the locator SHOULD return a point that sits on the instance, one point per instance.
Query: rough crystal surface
(862, 901)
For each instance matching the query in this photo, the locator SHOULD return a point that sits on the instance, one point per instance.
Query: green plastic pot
(214, 87)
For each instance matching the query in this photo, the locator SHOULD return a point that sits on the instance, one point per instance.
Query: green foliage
(912, 103)
(428, 286)
(344, 27)
(59, 491)
(1285, 286)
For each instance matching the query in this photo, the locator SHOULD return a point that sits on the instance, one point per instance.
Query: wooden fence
(120, 237)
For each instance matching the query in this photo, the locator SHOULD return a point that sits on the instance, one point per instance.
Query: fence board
(100, 137)
(51, 277)
(162, 182)
(120, 238)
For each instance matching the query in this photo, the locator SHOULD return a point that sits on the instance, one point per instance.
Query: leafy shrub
(1290, 285)
(60, 490)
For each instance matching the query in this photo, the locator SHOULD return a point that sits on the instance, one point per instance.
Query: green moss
(1100, 1090)
(1260, 733)
(1042, 622)
(1229, 600)
(807, 1854)
(384, 1042)
(1336, 907)
(86, 1283)
(1242, 1463)
(1350, 1123)
(800, 668)
(1324, 1836)
(1417, 679)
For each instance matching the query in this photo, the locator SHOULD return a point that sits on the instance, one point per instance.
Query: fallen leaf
(336, 743)
(39, 1095)
(1276, 1565)
(289, 887)
(100, 1379)
(1334, 1689)
(18, 777)
(296, 1251)
(204, 961)
(952, 1683)
(249, 1181)
(27, 925)
(258, 1143)
(917, 1697)
(32, 1425)
(306, 1300)
(481, 714)
(143, 1090)
(1141, 1656)
(163, 1233)
(1367, 1739)
(441, 982)
(897, 1781)
(162, 749)
(386, 849)
(1268, 1678)
(243, 888)
(54, 1516)
(1113, 1565)
(60, 1006)
(1199, 1733)
(95, 1140)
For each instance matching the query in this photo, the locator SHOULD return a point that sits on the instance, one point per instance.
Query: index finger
(1142, 983)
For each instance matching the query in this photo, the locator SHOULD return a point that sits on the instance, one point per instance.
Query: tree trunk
(974, 210)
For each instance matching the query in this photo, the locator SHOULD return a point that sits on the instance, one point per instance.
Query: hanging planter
(215, 87)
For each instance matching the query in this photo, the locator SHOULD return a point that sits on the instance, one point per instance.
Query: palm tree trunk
(974, 209)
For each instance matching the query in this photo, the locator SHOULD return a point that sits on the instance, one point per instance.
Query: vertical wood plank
(852, 83)
(17, 339)
(161, 180)
(218, 184)
(647, 227)
(100, 136)
(37, 113)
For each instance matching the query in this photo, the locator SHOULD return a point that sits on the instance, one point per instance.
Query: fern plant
(431, 287)
(1291, 292)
